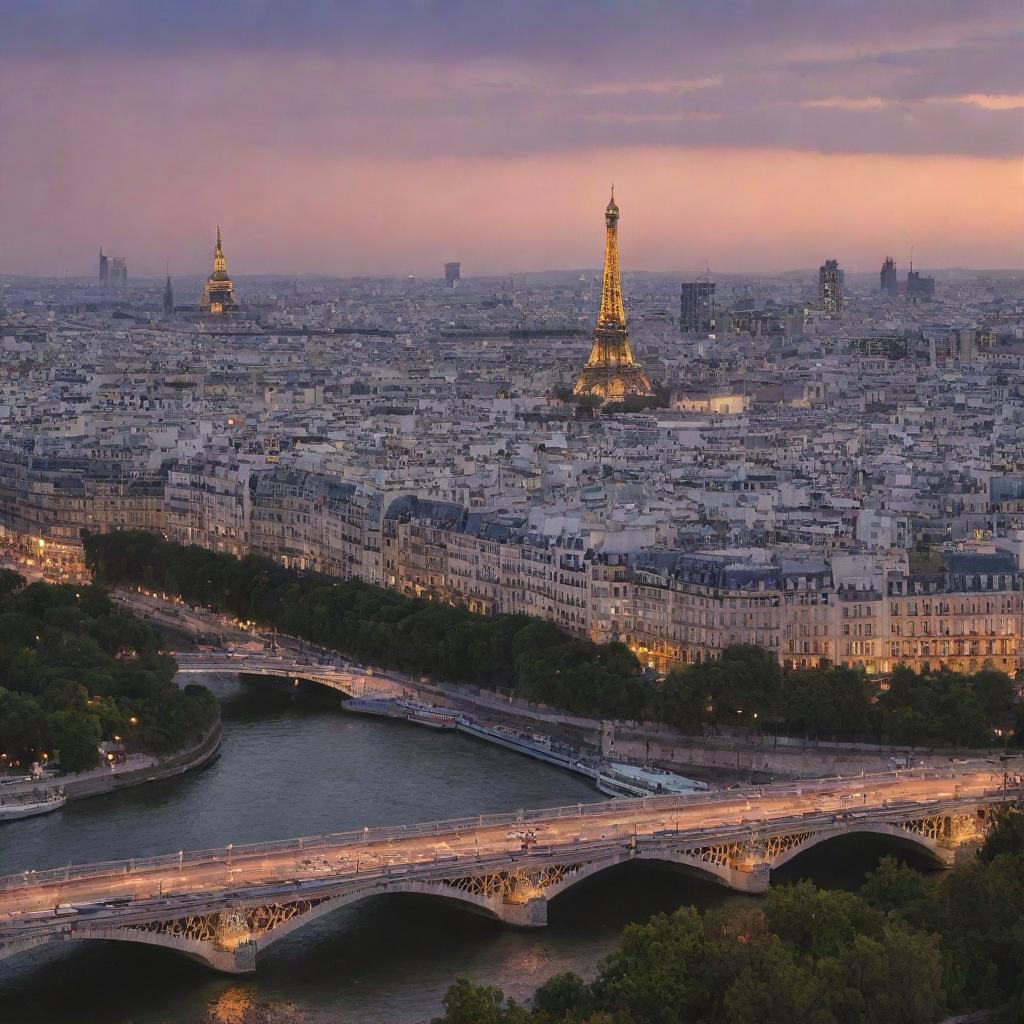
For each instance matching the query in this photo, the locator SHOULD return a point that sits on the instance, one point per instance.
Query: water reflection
(296, 765)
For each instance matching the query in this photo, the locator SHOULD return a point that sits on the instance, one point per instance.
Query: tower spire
(218, 295)
(611, 371)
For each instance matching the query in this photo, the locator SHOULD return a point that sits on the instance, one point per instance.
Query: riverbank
(135, 771)
(714, 758)
(611, 778)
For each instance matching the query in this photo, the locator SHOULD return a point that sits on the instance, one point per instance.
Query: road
(178, 878)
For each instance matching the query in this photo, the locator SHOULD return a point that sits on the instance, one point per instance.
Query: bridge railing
(620, 809)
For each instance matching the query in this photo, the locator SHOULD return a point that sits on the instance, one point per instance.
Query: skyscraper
(452, 272)
(104, 269)
(830, 287)
(888, 278)
(218, 294)
(118, 276)
(697, 307)
(611, 371)
(168, 297)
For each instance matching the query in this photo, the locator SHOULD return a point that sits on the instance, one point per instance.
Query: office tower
(168, 297)
(218, 293)
(104, 269)
(830, 287)
(452, 273)
(888, 278)
(611, 371)
(697, 307)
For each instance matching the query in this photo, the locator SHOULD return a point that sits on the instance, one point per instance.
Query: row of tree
(76, 670)
(907, 947)
(518, 653)
(537, 660)
(747, 687)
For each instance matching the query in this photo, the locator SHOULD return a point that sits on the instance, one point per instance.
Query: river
(293, 763)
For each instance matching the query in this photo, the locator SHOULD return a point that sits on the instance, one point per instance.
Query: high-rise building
(168, 297)
(919, 287)
(697, 312)
(452, 272)
(611, 371)
(830, 287)
(113, 271)
(888, 278)
(218, 294)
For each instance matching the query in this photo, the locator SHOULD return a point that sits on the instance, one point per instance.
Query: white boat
(630, 781)
(30, 804)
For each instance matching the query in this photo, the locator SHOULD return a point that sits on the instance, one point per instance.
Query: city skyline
(360, 142)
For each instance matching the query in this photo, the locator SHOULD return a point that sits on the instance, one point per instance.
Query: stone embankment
(736, 756)
(138, 769)
(714, 756)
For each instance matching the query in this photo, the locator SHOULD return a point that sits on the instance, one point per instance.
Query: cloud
(102, 100)
(993, 102)
(845, 103)
(664, 88)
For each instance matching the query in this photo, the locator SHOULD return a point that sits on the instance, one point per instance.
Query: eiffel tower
(611, 372)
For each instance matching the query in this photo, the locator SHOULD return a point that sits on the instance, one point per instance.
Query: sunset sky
(386, 137)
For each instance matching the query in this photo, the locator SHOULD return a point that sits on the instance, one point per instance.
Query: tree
(774, 989)
(662, 974)
(466, 1003)
(898, 976)
(77, 738)
(818, 922)
(10, 582)
(563, 997)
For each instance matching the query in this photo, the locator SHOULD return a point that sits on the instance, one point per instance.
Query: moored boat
(28, 805)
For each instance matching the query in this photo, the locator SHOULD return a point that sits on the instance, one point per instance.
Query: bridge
(224, 906)
(350, 680)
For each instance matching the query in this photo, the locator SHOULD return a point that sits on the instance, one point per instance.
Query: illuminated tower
(218, 294)
(611, 372)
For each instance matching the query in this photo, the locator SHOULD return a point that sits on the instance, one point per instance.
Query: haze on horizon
(386, 138)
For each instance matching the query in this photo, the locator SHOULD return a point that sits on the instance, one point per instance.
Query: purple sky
(388, 137)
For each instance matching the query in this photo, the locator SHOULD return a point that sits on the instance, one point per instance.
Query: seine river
(295, 764)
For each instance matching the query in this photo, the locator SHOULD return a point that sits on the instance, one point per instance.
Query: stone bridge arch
(228, 939)
(939, 855)
(711, 864)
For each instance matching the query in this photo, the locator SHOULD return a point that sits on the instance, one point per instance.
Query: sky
(388, 136)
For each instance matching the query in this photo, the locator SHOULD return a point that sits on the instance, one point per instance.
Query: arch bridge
(224, 906)
(348, 680)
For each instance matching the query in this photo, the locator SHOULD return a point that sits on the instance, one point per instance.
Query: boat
(429, 715)
(380, 706)
(28, 805)
(626, 780)
(532, 744)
